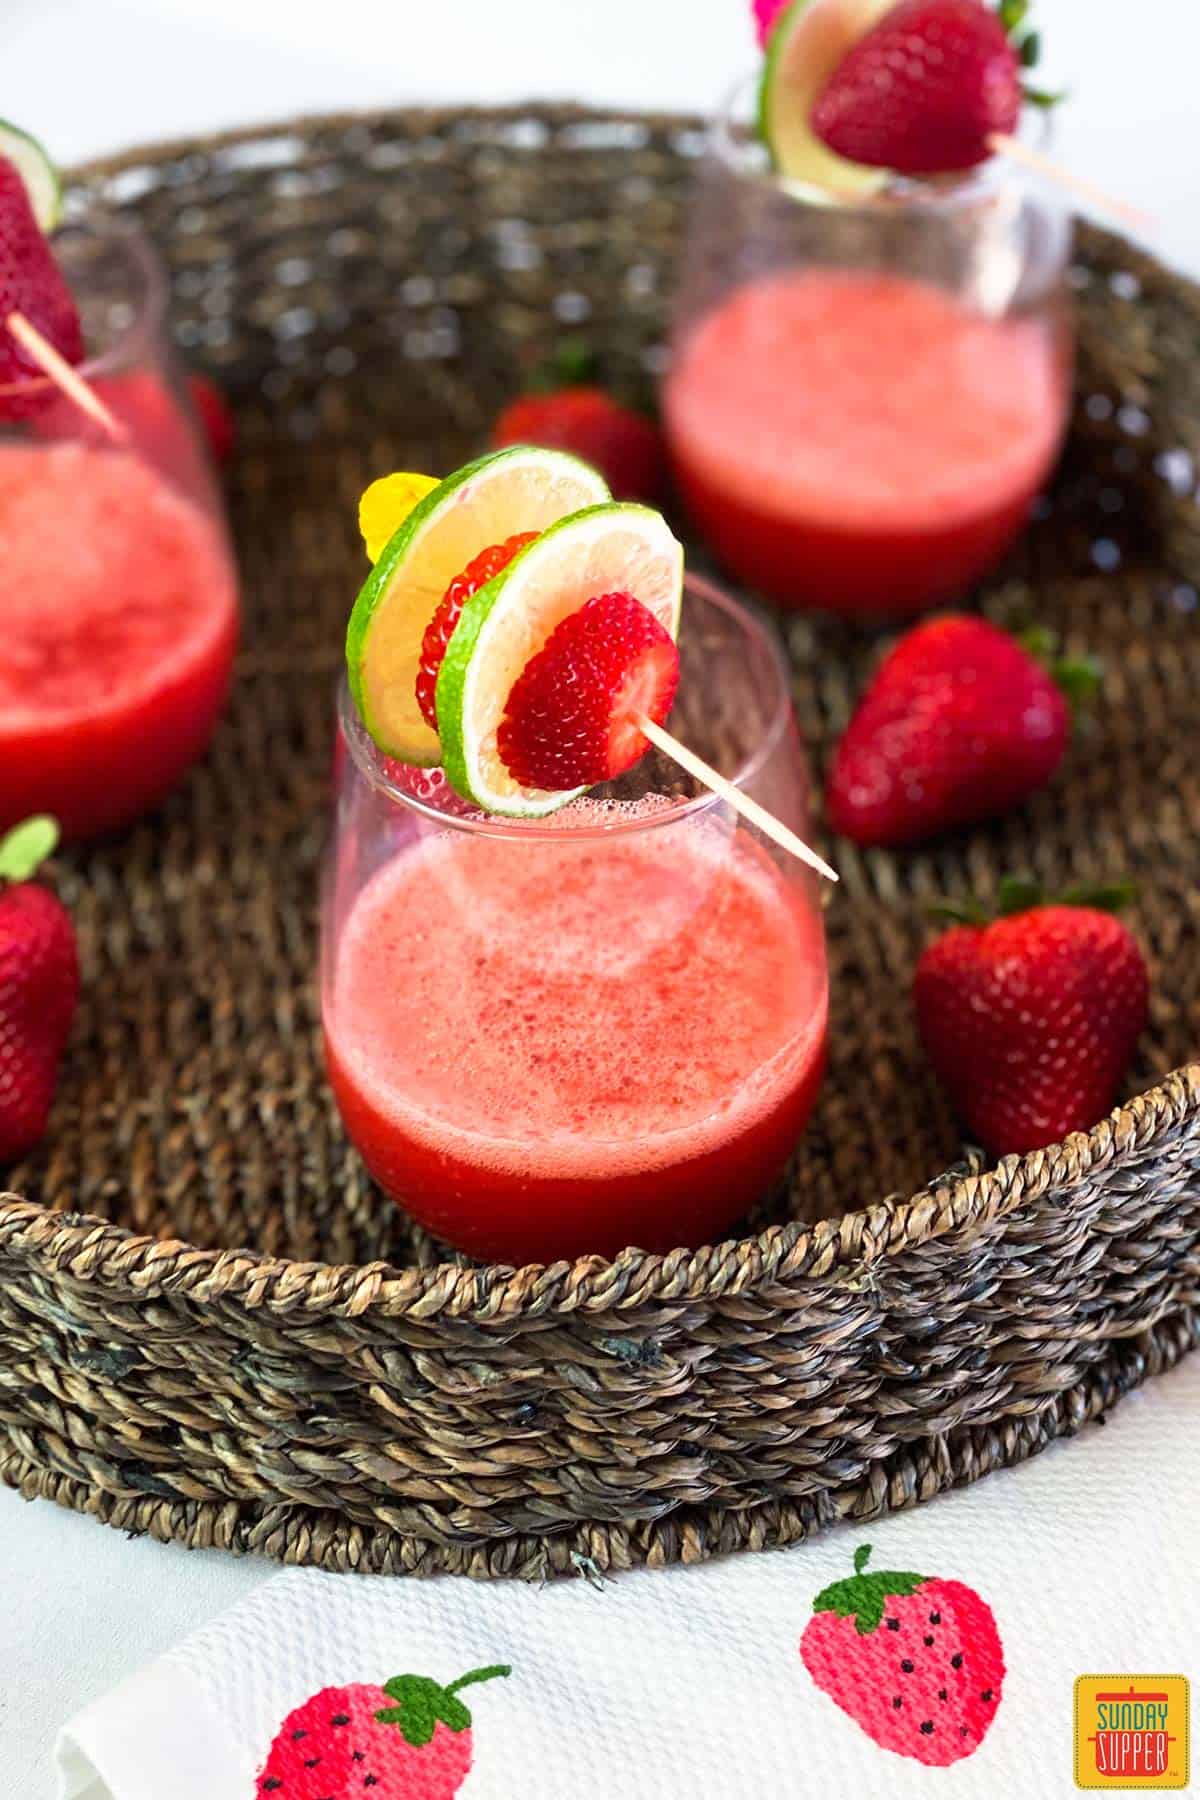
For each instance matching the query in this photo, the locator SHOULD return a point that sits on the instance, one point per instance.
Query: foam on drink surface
(597, 1005)
(866, 398)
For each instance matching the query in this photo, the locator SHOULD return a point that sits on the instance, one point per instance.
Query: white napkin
(669, 1684)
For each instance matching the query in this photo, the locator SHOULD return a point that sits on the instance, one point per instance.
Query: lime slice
(36, 171)
(602, 550)
(520, 489)
(805, 47)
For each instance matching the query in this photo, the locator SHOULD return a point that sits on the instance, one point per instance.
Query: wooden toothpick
(1004, 145)
(64, 377)
(749, 809)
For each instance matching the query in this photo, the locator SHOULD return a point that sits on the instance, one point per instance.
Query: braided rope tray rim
(837, 1250)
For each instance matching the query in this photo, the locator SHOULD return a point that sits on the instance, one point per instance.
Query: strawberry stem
(26, 847)
(489, 1674)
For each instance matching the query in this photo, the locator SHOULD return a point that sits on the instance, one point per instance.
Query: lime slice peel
(807, 43)
(37, 172)
(518, 489)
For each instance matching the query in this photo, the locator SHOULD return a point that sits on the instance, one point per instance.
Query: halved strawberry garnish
(32, 284)
(572, 716)
(440, 628)
(924, 91)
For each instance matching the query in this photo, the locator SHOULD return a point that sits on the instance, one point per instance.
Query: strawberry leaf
(864, 1596)
(1012, 14)
(1017, 894)
(573, 364)
(416, 1710)
(1079, 678)
(421, 1703)
(26, 847)
(1045, 98)
(958, 912)
(1111, 896)
(1029, 49)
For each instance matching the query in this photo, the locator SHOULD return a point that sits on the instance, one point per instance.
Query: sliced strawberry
(440, 628)
(923, 91)
(32, 284)
(572, 716)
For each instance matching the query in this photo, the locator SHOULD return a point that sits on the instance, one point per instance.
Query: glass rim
(148, 297)
(998, 175)
(368, 758)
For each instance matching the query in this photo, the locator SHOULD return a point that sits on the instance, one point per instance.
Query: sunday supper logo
(1131, 1731)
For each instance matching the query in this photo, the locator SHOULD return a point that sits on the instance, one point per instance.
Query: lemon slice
(386, 504)
(601, 550)
(806, 45)
(519, 489)
(36, 171)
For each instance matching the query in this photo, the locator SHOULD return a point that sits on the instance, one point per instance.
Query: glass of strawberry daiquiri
(870, 372)
(571, 1001)
(118, 599)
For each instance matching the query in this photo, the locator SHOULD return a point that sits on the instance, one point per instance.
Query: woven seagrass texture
(212, 1327)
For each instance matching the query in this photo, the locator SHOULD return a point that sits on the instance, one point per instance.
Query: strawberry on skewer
(32, 288)
(925, 91)
(924, 87)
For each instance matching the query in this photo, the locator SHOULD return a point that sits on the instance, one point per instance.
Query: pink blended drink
(862, 441)
(609, 1039)
(118, 611)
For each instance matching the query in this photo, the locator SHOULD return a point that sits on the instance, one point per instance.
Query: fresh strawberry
(39, 987)
(1030, 1020)
(32, 284)
(409, 1739)
(961, 722)
(571, 718)
(440, 628)
(924, 90)
(212, 409)
(765, 14)
(624, 445)
(914, 1659)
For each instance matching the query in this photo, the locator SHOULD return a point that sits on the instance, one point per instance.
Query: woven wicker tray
(212, 1329)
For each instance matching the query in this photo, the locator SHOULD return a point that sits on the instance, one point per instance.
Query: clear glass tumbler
(118, 597)
(606, 1028)
(865, 397)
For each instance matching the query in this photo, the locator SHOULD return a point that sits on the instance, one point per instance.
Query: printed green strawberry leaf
(864, 1597)
(26, 847)
(422, 1703)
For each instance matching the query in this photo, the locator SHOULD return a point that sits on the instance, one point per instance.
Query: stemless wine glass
(865, 397)
(599, 1029)
(118, 597)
